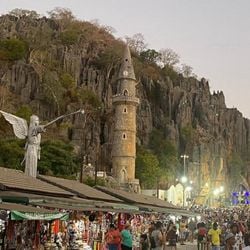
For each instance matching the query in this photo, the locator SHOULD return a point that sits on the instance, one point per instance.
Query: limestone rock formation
(174, 106)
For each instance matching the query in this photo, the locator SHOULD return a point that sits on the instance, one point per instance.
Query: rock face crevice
(185, 104)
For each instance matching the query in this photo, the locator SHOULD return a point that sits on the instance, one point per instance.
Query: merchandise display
(82, 231)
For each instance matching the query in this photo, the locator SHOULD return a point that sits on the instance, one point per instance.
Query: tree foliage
(105, 28)
(160, 145)
(58, 158)
(22, 12)
(12, 49)
(110, 56)
(67, 81)
(150, 56)
(69, 37)
(187, 137)
(171, 73)
(236, 167)
(159, 165)
(90, 181)
(136, 42)
(186, 70)
(25, 112)
(147, 168)
(88, 98)
(68, 25)
(169, 58)
(167, 156)
(59, 13)
(12, 153)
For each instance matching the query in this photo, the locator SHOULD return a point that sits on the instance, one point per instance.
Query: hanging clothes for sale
(56, 226)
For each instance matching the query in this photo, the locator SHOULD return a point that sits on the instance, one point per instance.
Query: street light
(183, 181)
(188, 194)
(184, 163)
(216, 191)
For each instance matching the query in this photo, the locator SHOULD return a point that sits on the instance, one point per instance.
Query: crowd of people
(215, 229)
(224, 228)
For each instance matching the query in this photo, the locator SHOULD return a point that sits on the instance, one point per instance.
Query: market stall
(22, 226)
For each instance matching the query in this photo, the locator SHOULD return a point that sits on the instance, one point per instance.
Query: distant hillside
(57, 64)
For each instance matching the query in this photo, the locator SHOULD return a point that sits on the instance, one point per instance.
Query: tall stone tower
(124, 143)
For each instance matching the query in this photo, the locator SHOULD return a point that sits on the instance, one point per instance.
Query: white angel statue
(32, 134)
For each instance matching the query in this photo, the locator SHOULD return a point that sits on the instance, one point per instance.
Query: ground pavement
(187, 246)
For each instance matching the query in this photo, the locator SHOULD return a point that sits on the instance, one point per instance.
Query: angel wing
(19, 125)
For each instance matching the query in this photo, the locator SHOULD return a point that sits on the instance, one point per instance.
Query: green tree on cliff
(236, 166)
(12, 49)
(167, 156)
(147, 168)
(57, 157)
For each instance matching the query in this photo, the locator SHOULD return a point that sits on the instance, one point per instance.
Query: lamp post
(183, 181)
(188, 190)
(184, 163)
(184, 178)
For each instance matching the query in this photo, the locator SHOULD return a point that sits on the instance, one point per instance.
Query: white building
(174, 194)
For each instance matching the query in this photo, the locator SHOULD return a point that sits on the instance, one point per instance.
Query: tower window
(125, 92)
(123, 175)
(125, 110)
(124, 136)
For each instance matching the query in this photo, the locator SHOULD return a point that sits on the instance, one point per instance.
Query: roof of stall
(22, 208)
(165, 210)
(16, 180)
(73, 203)
(79, 189)
(136, 198)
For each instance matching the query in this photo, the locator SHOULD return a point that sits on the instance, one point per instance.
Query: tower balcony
(125, 99)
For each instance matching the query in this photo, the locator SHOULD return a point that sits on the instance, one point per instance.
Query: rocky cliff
(69, 64)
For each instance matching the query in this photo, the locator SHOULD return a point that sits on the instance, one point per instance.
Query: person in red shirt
(202, 236)
(113, 238)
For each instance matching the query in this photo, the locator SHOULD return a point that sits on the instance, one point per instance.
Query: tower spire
(126, 69)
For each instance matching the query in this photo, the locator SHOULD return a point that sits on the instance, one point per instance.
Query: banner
(15, 215)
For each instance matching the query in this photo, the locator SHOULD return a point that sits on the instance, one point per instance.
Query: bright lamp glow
(216, 191)
(183, 179)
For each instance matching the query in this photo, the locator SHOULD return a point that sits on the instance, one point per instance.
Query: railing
(123, 98)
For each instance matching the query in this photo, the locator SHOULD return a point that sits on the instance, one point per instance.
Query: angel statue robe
(32, 154)
(32, 134)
